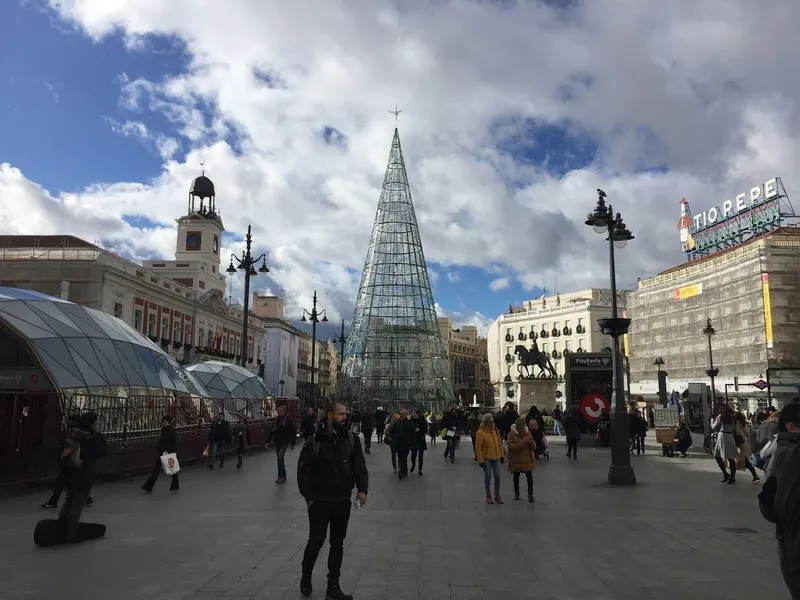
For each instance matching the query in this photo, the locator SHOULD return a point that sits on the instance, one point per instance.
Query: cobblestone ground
(234, 534)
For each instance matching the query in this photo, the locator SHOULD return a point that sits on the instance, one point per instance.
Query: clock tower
(197, 252)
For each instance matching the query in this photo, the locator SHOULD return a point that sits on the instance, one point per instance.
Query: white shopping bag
(170, 463)
(450, 433)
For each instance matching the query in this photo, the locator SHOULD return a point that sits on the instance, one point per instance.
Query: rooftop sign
(733, 222)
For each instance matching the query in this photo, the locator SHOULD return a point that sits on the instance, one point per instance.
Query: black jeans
(367, 438)
(394, 456)
(572, 447)
(529, 477)
(320, 515)
(70, 513)
(402, 461)
(151, 481)
(414, 454)
(379, 430)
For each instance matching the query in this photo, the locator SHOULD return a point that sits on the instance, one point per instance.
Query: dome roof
(86, 351)
(225, 380)
(202, 187)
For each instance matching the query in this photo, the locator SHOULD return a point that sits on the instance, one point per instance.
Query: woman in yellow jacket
(489, 452)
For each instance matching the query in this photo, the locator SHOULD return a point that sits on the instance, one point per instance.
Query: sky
(514, 113)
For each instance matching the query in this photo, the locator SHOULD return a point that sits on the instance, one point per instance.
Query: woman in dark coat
(572, 425)
(418, 449)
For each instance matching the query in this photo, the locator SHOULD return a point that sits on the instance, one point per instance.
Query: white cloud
(501, 283)
(460, 319)
(453, 277)
(683, 84)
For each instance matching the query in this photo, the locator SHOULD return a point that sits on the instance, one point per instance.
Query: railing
(32, 427)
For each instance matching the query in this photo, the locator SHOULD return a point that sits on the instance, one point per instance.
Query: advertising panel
(767, 309)
(689, 291)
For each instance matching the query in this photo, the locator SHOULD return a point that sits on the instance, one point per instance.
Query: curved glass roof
(87, 351)
(226, 380)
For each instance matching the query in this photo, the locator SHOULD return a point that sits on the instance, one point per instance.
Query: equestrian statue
(534, 357)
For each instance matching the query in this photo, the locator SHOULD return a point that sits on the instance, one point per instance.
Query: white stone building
(558, 324)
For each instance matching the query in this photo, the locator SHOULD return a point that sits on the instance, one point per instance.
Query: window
(580, 344)
(187, 334)
(118, 309)
(165, 327)
(580, 322)
(201, 334)
(544, 326)
(544, 348)
(568, 346)
(137, 319)
(213, 269)
(566, 323)
(555, 346)
(176, 332)
(151, 325)
(210, 339)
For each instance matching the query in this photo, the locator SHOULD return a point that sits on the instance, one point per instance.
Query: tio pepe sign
(741, 202)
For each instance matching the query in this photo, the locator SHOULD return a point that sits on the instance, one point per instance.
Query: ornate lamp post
(659, 362)
(247, 264)
(340, 339)
(314, 317)
(603, 221)
(709, 331)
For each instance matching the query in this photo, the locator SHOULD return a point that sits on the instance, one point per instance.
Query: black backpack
(71, 453)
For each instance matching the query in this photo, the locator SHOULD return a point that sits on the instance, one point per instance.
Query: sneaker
(89, 501)
(419, 473)
(394, 471)
(146, 489)
(755, 479)
(452, 460)
(49, 504)
(531, 499)
(516, 496)
(489, 499)
(498, 500)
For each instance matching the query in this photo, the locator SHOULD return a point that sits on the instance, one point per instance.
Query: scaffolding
(395, 355)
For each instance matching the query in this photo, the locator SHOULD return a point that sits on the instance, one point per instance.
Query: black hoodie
(331, 464)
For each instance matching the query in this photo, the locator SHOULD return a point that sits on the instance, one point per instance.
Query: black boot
(334, 592)
(306, 589)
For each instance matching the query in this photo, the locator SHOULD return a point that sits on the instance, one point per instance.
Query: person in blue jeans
(450, 424)
(490, 454)
(218, 436)
(282, 435)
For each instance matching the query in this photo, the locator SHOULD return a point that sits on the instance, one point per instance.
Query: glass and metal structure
(394, 354)
(233, 389)
(87, 352)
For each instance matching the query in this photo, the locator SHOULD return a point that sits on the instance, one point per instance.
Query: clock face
(193, 241)
(216, 244)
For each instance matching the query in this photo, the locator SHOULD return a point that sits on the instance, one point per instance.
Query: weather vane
(394, 112)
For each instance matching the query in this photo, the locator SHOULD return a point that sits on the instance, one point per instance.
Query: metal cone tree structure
(394, 354)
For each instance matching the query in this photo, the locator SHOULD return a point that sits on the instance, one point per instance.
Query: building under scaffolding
(395, 355)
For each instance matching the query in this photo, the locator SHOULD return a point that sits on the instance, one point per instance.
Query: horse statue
(534, 357)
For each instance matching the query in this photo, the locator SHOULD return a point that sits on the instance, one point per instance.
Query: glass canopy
(86, 351)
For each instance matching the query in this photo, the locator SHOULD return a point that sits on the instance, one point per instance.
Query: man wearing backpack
(779, 500)
(82, 448)
(331, 464)
(72, 421)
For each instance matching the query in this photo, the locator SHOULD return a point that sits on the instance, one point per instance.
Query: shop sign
(689, 291)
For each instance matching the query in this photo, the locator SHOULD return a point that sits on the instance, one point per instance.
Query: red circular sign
(592, 406)
(34, 378)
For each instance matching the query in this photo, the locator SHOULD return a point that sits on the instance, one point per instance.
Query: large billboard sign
(733, 222)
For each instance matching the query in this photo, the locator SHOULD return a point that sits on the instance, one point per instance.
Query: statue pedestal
(537, 392)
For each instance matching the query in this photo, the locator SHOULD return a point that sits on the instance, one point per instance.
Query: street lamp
(709, 331)
(314, 317)
(603, 221)
(340, 339)
(659, 362)
(247, 264)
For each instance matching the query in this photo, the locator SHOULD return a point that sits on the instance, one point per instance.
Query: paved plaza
(234, 534)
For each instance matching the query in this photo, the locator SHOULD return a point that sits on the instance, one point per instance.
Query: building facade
(469, 366)
(558, 324)
(187, 315)
(750, 292)
(281, 346)
(329, 364)
(268, 307)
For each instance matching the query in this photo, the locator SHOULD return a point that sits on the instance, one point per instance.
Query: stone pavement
(234, 534)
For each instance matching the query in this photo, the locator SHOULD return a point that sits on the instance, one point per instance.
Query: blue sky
(63, 91)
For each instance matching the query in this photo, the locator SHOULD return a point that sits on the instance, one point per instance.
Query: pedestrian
(309, 423)
(557, 416)
(380, 424)
(218, 436)
(58, 488)
(725, 450)
(87, 444)
(489, 450)
(282, 436)
(167, 442)
(683, 439)
(473, 424)
(572, 427)
(367, 427)
(433, 429)
(779, 499)
(638, 431)
(355, 421)
(241, 436)
(403, 432)
(420, 446)
(330, 465)
(521, 455)
(450, 426)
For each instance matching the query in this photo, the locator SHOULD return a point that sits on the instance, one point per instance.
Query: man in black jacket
(450, 425)
(330, 465)
(779, 499)
(79, 478)
(282, 435)
(403, 432)
(380, 424)
(218, 436)
(72, 421)
(167, 442)
(309, 423)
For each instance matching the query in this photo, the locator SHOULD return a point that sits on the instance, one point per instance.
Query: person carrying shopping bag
(167, 444)
(489, 452)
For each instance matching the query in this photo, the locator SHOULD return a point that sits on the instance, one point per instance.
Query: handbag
(205, 452)
(170, 464)
(737, 437)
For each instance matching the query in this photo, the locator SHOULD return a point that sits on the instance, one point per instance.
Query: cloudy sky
(514, 112)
